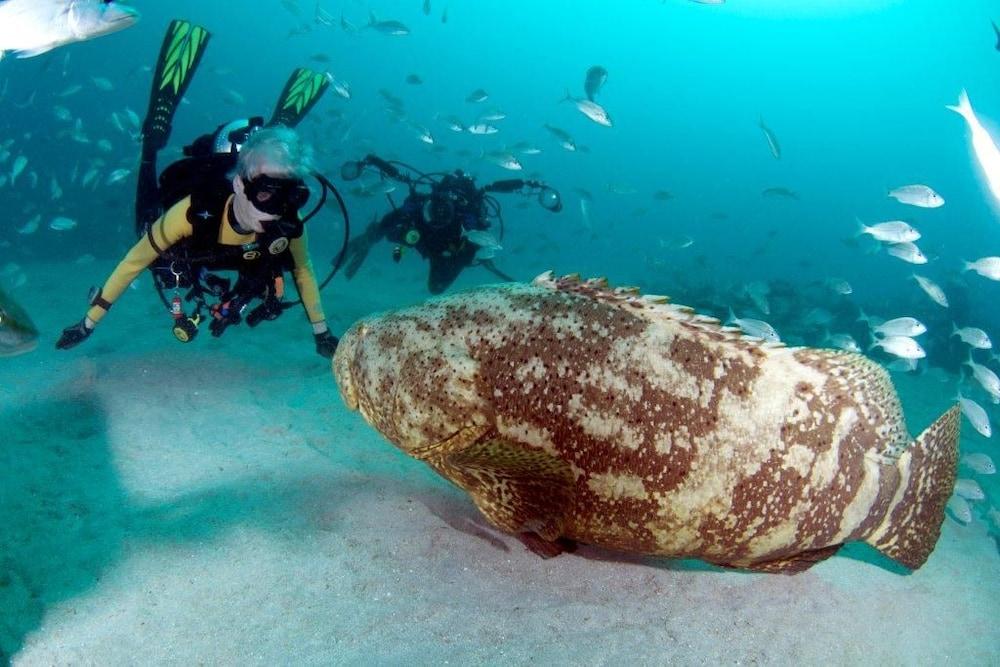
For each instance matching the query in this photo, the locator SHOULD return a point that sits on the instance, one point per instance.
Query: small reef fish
(980, 464)
(901, 346)
(771, 138)
(976, 415)
(933, 290)
(921, 196)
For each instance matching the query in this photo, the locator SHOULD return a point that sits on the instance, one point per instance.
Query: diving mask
(276, 196)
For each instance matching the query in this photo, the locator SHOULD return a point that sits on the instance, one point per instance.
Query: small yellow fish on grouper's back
(571, 411)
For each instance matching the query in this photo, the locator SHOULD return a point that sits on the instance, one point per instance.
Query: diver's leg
(444, 270)
(301, 92)
(183, 46)
(357, 249)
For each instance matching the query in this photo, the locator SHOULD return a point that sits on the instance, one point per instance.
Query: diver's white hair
(275, 151)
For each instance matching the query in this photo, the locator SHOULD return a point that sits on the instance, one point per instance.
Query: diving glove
(326, 344)
(74, 335)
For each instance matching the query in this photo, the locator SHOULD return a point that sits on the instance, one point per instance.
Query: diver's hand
(74, 335)
(326, 344)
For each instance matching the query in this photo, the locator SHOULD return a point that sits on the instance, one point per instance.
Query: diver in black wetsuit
(445, 217)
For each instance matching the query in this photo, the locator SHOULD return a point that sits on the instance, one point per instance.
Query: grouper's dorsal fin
(651, 307)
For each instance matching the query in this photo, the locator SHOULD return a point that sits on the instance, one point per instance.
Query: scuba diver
(232, 204)
(444, 217)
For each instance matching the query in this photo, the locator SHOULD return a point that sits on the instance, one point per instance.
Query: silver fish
(591, 110)
(979, 463)
(933, 290)
(482, 128)
(986, 378)
(772, 140)
(31, 226)
(976, 415)
(391, 28)
(984, 147)
(894, 231)
(477, 96)
(33, 27)
(969, 489)
(907, 252)
(900, 326)
(972, 336)
(61, 224)
(987, 267)
(756, 328)
(843, 341)
(921, 196)
(958, 508)
(901, 346)
(504, 159)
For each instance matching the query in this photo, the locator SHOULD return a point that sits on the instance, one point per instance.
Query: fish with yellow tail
(571, 411)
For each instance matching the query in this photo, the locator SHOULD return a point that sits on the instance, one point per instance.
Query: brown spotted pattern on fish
(569, 409)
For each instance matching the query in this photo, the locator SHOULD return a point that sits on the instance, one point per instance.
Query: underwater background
(166, 503)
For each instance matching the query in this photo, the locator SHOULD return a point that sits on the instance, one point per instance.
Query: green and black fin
(300, 95)
(183, 47)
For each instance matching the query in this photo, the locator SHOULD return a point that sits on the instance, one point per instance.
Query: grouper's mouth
(343, 359)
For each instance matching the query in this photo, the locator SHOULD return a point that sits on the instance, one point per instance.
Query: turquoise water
(855, 92)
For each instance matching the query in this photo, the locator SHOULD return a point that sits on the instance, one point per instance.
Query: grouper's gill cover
(567, 409)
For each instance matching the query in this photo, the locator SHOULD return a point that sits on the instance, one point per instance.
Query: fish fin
(791, 565)
(518, 488)
(545, 548)
(31, 53)
(928, 467)
(964, 106)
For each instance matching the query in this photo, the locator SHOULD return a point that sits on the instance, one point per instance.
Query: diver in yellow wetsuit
(231, 205)
(253, 228)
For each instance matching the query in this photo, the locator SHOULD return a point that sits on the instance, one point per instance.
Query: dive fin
(302, 91)
(928, 468)
(357, 249)
(183, 46)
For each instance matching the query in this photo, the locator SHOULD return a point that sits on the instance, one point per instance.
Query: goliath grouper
(570, 411)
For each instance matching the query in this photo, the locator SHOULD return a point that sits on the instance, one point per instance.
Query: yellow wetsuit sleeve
(305, 279)
(168, 230)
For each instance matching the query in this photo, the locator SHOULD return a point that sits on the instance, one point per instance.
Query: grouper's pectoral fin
(793, 564)
(518, 488)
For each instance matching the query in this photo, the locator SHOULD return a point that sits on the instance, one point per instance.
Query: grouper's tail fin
(927, 469)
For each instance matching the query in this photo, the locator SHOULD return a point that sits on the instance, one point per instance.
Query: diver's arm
(509, 185)
(168, 230)
(305, 282)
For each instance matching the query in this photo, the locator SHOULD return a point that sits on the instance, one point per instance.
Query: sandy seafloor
(216, 503)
